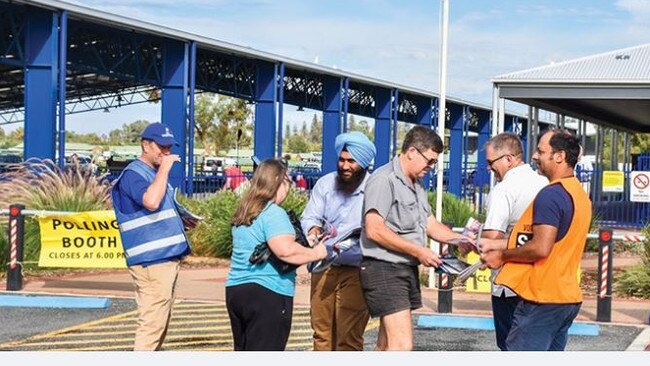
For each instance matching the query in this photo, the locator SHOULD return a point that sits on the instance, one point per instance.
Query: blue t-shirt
(553, 206)
(272, 221)
(132, 187)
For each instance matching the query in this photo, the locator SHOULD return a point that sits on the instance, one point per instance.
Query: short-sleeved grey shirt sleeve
(381, 196)
(405, 209)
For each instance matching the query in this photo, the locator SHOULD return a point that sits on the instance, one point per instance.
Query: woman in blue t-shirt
(260, 299)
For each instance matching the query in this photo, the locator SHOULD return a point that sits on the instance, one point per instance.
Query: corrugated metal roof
(624, 66)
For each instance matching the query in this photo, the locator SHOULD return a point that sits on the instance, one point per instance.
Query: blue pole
(332, 112)
(425, 118)
(346, 99)
(455, 150)
(395, 116)
(63, 57)
(190, 141)
(382, 126)
(174, 102)
(41, 47)
(265, 113)
(281, 108)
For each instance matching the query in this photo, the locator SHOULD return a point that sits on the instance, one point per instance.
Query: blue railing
(613, 208)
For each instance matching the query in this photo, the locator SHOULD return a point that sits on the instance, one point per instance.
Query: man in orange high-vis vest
(544, 251)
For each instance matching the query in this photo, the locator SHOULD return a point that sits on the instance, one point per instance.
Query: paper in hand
(190, 220)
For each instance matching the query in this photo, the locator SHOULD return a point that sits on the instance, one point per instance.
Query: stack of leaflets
(190, 220)
(456, 267)
(339, 244)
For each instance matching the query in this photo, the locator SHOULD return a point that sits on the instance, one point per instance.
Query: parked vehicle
(215, 165)
(6, 160)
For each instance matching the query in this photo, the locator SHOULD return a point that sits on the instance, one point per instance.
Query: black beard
(350, 185)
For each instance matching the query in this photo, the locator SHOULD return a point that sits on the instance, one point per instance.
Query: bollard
(16, 232)
(605, 257)
(445, 293)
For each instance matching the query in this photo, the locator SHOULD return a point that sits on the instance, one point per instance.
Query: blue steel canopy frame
(112, 61)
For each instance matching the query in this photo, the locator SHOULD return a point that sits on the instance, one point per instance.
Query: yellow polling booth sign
(480, 280)
(83, 240)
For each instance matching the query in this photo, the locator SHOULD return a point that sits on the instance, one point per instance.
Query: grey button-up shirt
(404, 208)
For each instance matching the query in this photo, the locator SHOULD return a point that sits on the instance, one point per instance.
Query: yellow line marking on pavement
(65, 330)
(171, 333)
(125, 324)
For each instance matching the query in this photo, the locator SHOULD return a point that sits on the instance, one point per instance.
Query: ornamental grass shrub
(42, 185)
(212, 237)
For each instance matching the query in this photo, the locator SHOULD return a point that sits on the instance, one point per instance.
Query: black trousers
(260, 318)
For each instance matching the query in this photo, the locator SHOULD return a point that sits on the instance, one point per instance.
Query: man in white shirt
(517, 186)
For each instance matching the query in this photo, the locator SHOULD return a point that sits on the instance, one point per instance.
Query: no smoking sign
(640, 186)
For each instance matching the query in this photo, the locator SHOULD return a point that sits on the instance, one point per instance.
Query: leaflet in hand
(451, 265)
(469, 271)
(454, 266)
(190, 220)
(335, 246)
(473, 229)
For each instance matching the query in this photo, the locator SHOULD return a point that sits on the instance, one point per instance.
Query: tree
(361, 126)
(2, 133)
(303, 130)
(131, 132)
(232, 115)
(115, 137)
(17, 134)
(352, 124)
(297, 144)
(205, 114)
(316, 130)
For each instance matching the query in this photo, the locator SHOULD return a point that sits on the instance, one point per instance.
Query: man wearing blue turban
(338, 310)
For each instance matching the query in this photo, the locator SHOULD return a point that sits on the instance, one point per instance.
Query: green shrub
(212, 237)
(635, 281)
(42, 185)
(454, 210)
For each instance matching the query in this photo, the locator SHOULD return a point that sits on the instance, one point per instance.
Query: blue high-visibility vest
(149, 236)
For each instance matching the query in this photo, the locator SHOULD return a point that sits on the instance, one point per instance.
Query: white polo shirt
(507, 201)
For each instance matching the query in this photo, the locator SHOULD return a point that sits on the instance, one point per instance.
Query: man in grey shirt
(397, 221)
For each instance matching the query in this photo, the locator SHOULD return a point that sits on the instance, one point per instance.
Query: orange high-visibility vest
(553, 279)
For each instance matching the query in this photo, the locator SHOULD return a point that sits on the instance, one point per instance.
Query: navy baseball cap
(159, 133)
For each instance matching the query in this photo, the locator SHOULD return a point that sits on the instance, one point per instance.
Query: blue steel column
(484, 128)
(382, 126)
(346, 100)
(174, 102)
(190, 130)
(524, 138)
(63, 57)
(266, 77)
(395, 116)
(455, 150)
(424, 116)
(508, 124)
(280, 108)
(41, 45)
(332, 113)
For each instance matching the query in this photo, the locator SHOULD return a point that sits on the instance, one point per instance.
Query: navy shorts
(540, 327)
(389, 287)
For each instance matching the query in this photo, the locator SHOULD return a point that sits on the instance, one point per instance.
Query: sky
(394, 40)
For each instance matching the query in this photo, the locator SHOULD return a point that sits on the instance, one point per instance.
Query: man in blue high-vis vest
(152, 233)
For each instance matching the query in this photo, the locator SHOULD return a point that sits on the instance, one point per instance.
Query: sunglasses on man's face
(430, 161)
(490, 162)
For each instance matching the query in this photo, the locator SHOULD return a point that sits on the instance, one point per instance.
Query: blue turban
(358, 145)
